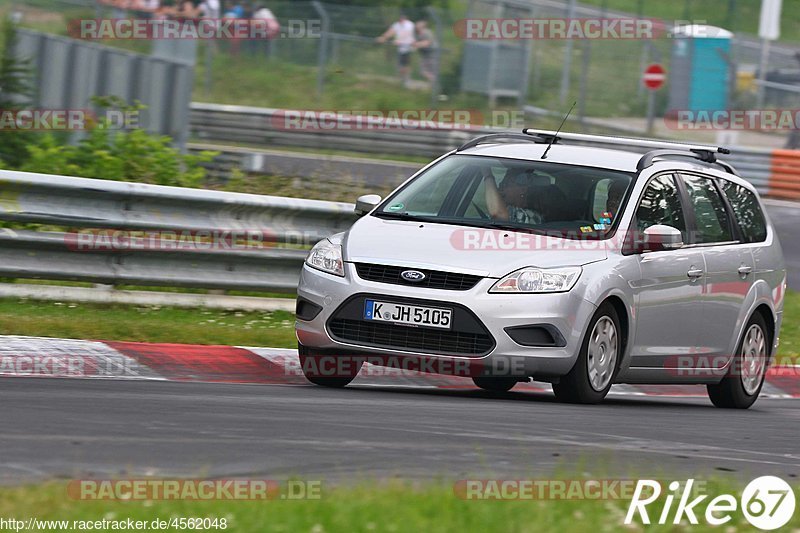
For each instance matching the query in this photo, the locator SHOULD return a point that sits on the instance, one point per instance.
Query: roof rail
(498, 137)
(702, 152)
(625, 141)
(703, 155)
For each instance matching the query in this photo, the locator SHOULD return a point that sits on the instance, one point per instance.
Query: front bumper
(567, 312)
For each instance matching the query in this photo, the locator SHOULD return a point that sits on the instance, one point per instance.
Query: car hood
(484, 252)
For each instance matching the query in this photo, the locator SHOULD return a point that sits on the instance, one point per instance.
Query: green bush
(117, 154)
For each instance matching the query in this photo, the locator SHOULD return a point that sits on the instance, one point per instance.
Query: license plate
(412, 315)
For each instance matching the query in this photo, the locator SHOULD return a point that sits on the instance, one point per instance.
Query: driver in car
(510, 201)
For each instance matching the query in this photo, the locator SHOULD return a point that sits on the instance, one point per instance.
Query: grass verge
(146, 324)
(391, 506)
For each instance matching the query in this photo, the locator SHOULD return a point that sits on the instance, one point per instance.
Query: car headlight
(536, 280)
(327, 257)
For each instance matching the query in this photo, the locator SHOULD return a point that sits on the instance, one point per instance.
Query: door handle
(744, 270)
(694, 273)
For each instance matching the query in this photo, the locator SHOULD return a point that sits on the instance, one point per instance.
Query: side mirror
(661, 237)
(366, 203)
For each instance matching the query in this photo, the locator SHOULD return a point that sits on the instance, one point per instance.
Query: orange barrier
(784, 179)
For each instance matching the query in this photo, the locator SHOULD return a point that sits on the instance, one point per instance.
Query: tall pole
(763, 65)
(322, 56)
(565, 71)
(651, 112)
(769, 29)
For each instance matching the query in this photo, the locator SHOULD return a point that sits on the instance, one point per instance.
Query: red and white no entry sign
(654, 76)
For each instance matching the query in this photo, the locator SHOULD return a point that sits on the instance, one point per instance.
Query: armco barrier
(322, 169)
(263, 127)
(771, 171)
(784, 180)
(89, 203)
(84, 202)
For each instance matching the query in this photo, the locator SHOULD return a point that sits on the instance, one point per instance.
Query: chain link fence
(604, 76)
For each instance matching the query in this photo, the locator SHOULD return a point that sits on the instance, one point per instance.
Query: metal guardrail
(69, 202)
(268, 127)
(48, 255)
(765, 168)
(323, 170)
(84, 202)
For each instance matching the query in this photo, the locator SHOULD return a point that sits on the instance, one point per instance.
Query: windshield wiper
(508, 227)
(406, 216)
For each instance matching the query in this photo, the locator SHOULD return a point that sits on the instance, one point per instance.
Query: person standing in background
(187, 11)
(426, 45)
(210, 9)
(235, 11)
(403, 33)
(273, 28)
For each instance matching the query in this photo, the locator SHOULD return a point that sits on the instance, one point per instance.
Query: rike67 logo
(768, 503)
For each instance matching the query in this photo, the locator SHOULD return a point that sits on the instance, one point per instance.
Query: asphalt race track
(75, 427)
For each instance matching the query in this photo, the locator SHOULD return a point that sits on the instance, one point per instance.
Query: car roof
(588, 156)
(559, 153)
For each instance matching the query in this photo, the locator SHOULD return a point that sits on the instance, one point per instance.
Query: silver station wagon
(528, 256)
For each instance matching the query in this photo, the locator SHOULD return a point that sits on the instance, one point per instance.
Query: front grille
(410, 338)
(434, 279)
(468, 336)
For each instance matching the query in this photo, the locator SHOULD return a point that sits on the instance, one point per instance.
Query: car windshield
(520, 195)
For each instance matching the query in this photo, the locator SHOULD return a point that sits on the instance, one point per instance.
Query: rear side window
(661, 204)
(747, 211)
(711, 218)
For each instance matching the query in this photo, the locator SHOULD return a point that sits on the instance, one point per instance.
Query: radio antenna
(554, 137)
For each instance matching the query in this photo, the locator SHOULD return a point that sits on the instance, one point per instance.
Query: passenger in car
(511, 200)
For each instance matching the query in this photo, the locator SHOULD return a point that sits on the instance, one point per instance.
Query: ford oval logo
(412, 275)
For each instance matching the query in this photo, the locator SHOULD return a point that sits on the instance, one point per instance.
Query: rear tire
(593, 374)
(314, 368)
(491, 384)
(740, 387)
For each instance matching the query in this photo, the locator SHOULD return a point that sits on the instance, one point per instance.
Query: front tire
(323, 370)
(740, 387)
(593, 374)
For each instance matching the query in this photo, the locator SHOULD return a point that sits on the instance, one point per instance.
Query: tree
(15, 93)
